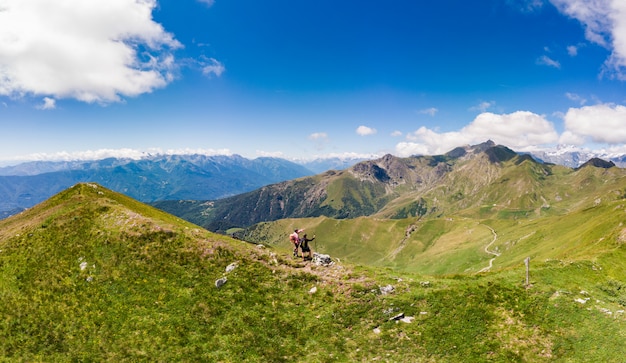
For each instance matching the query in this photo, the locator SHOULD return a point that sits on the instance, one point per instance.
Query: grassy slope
(147, 293)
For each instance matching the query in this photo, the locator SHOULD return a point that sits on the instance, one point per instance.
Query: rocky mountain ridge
(392, 187)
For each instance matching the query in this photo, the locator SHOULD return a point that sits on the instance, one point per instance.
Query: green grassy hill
(91, 275)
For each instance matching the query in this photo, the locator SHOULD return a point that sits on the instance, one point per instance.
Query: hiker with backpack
(304, 246)
(295, 239)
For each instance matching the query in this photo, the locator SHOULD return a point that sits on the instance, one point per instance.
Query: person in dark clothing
(304, 246)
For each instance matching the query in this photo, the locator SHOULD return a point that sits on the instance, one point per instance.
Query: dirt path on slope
(496, 254)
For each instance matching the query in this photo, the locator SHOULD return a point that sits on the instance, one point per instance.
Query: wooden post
(527, 263)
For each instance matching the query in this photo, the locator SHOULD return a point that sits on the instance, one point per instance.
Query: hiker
(304, 245)
(295, 239)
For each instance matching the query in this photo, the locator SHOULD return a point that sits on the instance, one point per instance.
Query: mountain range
(149, 179)
(466, 178)
(191, 177)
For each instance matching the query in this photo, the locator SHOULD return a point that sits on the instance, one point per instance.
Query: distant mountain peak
(499, 153)
(598, 163)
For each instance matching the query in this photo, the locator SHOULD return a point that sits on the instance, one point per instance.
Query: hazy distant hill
(149, 179)
(324, 164)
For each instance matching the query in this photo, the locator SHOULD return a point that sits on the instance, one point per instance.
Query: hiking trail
(496, 254)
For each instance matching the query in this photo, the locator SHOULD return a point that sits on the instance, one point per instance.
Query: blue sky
(305, 79)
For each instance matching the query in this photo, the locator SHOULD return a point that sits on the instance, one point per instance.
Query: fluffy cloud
(93, 51)
(207, 2)
(526, 5)
(213, 66)
(365, 131)
(602, 123)
(547, 61)
(605, 24)
(483, 106)
(520, 130)
(429, 111)
(318, 136)
(576, 98)
(116, 153)
(270, 154)
(48, 104)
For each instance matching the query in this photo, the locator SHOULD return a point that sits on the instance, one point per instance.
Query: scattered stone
(397, 317)
(606, 311)
(220, 282)
(260, 246)
(321, 259)
(388, 311)
(423, 312)
(231, 267)
(387, 289)
(83, 265)
(407, 319)
(377, 331)
(89, 279)
(581, 301)
(425, 284)
(313, 290)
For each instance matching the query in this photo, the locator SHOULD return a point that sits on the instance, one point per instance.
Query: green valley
(91, 275)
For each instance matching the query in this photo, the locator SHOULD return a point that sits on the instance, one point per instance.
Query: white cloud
(208, 3)
(116, 153)
(572, 50)
(429, 111)
(270, 154)
(483, 106)
(318, 136)
(576, 98)
(48, 104)
(365, 131)
(93, 51)
(396, 133)
(547, 61)
(191, 151)
(526, 6)
(605, 24)
(521, 130)
(602, 123)
(213, 67)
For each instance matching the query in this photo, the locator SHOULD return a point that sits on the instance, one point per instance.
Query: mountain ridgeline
(149, 179)
(464, 179)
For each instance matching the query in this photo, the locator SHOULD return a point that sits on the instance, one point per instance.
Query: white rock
(231, 267)
(397, 317)
(386, 289)
(220, 282)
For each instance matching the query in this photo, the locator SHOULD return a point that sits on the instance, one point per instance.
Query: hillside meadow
(91, 275)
